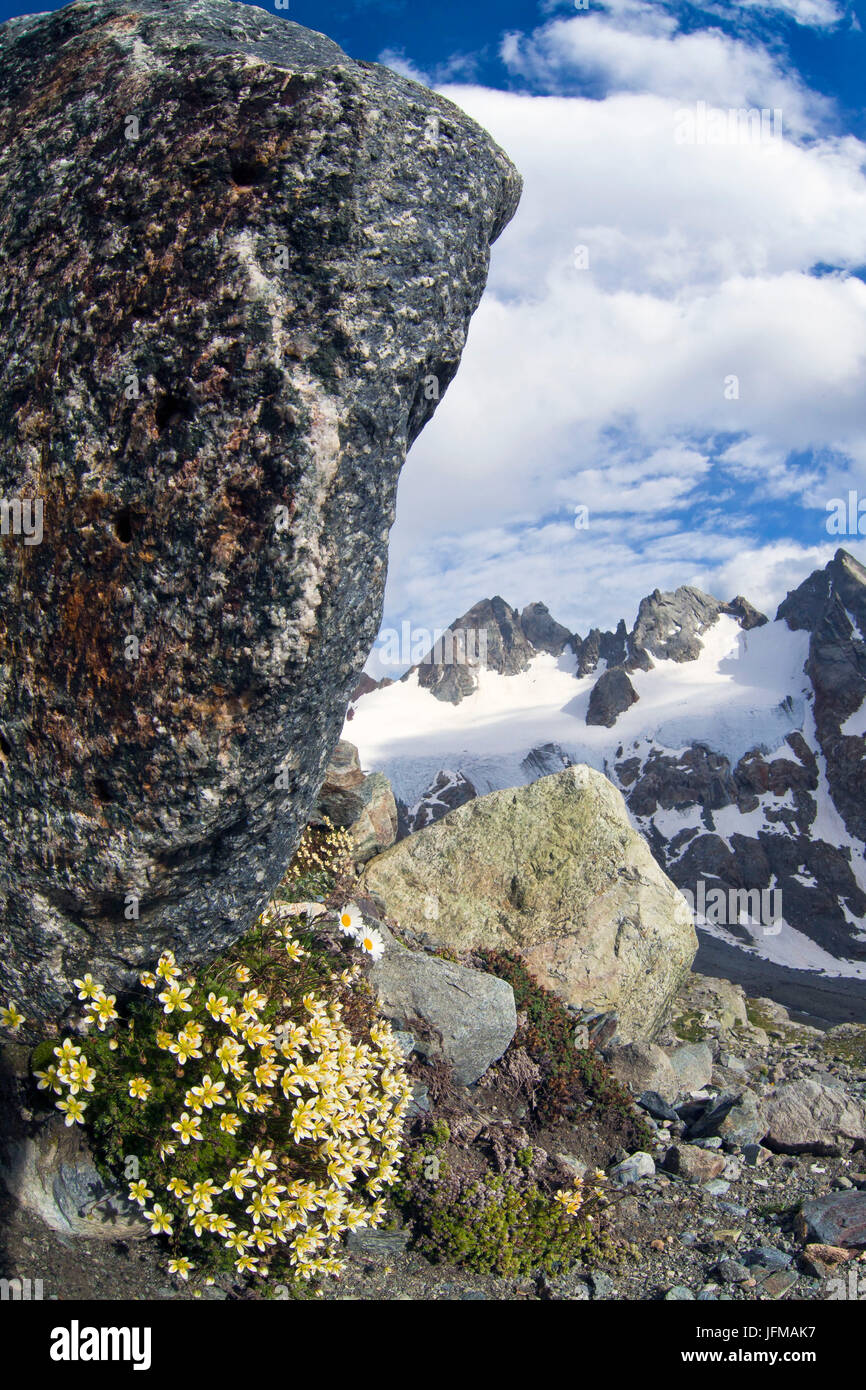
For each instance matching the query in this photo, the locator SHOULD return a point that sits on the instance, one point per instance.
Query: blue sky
(695, 375)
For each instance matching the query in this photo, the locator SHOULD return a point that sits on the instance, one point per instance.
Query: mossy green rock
(555, 871)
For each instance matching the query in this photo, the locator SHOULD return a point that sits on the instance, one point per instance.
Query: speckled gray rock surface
(239, 269)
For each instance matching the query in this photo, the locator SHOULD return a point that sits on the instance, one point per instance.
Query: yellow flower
(160, 1220)
(238, 1181)
(74, 1110)
(211, 1092)
(244, 1099)
(217, 1007)
(166, 968)
(242, 975)
(177, 1187)
(260, 1161)
(230, 1123)
(163, 1039)
(103, 1010)
(49, 1079)
(237, 1240)
(254, 1002)
(188, 1127)
(572, 1200)
(148, 979)
(88, 988)
(140, 1192)
(193, 1099)
(184, 1047)
(180, 1265)
(139, 1088)
(203, 1194)
(79, 1076)
(175, 998)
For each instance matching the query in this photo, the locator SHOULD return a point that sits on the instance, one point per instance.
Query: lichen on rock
(554, 871)
(239, 270)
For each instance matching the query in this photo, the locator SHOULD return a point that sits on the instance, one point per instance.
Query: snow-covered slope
(749, 688)
(738, 746)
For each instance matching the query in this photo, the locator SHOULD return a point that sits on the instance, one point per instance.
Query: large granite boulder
(555, 871)
(238, 273)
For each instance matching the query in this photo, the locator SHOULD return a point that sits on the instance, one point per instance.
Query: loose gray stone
(693, 1066)
(51, 1174)
(810, 1117)
(769, 1257)
(734, 1116)
(632, 1169)
(777, 1284)
(837, 1219)
(693, 1164)
(363, 806)
(556, 872)
(655, 1105)
(602, 1285)
(464, 1016)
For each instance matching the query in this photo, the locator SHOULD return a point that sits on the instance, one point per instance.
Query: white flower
(370, 940)
(350, 920)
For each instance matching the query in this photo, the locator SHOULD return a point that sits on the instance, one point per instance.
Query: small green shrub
(570, 1075)
(500, 1224)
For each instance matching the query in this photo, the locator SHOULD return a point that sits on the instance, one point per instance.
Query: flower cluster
(68, 1077)
(352, 925)
(268, 1127)
(322, 860)
(574, 1199)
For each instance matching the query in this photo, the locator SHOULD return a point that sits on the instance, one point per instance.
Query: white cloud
(816, 14)
(642, 50)
(606, 386)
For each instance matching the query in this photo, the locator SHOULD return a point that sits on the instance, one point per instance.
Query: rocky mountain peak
(844, 578)
(490, 634)
(544, 632)
(670, 625)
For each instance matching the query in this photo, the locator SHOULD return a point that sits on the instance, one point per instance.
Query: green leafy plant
(570, 1075)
